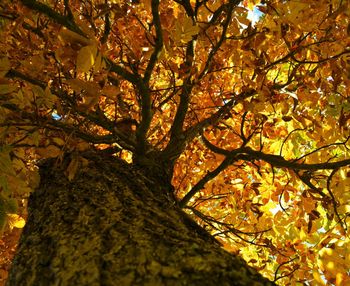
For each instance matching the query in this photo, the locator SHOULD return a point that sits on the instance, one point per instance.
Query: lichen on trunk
(113, 225)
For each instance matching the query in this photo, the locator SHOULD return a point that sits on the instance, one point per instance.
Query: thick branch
(176, 129)
(280, 162)
(177, 138)
(146, 113)
(275, 160)
(143, 85)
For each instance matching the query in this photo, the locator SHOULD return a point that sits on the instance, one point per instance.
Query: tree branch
(178, 140)
(248, 154)
(94, 117)
(196, 129)
(124, 73)
(51, 123)
(209, 176)
(146, 117)
(159, 41)
(187, 6)
(221, 40)
(52, 14)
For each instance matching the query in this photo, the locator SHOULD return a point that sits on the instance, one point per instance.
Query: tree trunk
(113, 225)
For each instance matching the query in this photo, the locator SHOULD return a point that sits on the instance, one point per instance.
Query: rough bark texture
(112, 225)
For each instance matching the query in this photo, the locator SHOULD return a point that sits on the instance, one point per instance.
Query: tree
(164, 131)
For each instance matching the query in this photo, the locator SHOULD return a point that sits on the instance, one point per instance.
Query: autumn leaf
(71, 37)
(86, 58)
(50, 151)
(185, 30)
(4, 66)
(72, 168)
(15, 220)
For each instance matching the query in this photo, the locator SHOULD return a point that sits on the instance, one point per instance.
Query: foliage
(250, 120)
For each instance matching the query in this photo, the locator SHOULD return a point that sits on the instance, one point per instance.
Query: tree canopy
(243, 105)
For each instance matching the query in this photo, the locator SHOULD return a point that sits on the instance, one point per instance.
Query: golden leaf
(111, 91)
(75, 164)
(72, 168)
(4, 66)
(68, 36)
(50, 151)
(91, 88)
(86, 58)
(15, 220)
(59, 141)
(6, 88)
(185, 30)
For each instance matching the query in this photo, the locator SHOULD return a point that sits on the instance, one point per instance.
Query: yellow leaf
(4, 66)
(6, 166)
(50, 151)
(235, 27)
(82, 146)
(49, 99)
(15, 220)
(111, 91)
(91, 88)
(99, 63)
(243, 20)
(318, 277)
(6, 88)
(308, 204)
(34, 178)
(72, 168)
(68, 36)
(185, 30)
(39, 92)
(86, 58)
(59, 141)
(11, 205)
(75, 164)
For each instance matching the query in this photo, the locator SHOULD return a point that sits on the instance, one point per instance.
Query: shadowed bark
(114, 225)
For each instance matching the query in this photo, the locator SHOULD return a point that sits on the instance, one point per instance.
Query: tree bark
(114, 225)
